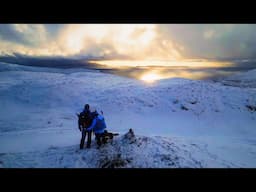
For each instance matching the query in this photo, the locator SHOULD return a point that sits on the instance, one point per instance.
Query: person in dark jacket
(85, 120)
(98, 126)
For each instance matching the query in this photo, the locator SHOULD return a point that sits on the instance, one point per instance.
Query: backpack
(85, 119)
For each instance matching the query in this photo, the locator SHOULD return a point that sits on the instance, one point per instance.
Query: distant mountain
(42, 61)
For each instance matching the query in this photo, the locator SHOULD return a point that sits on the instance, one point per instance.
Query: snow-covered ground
(177, 122)
(246, 79)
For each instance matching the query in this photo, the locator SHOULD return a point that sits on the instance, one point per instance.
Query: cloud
(134, 41)
(213, 41)
(209, 34)
(31, 39)
(27, 35)
(138, 41)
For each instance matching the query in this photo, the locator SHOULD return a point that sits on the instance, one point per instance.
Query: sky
(131, 41)
(136, 45)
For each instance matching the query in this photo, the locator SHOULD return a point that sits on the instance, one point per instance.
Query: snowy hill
(38, 107)
(123, 152)
(246, 79)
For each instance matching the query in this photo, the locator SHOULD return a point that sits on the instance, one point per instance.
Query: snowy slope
(245, 79)
(125, 152)
(38, 107)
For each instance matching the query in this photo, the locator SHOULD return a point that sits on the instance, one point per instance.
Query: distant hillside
(243, 79)
(56, 62)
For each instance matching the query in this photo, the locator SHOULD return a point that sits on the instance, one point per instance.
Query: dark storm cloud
(23, 34)
(9, 33)
(213, 41)
(53, 30)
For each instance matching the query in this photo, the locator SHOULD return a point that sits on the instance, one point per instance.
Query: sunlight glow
(150, 77)
(166, 63)
(124, 39)
(133, 37)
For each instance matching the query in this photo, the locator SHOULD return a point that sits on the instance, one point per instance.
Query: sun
(150, 77)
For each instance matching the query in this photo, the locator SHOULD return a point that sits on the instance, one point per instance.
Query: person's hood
(100, 117)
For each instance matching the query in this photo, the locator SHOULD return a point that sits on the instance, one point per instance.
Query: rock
(184, 108)
(130, 136)
(251, 108)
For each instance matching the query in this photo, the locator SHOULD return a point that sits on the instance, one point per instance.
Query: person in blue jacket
(98, 126)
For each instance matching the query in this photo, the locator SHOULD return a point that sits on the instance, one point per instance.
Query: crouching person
(98, 126)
